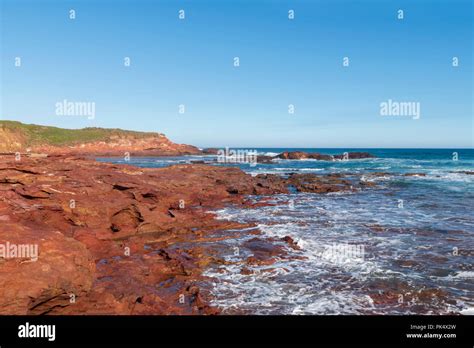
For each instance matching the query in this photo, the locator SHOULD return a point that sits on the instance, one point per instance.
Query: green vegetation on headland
(15, 134)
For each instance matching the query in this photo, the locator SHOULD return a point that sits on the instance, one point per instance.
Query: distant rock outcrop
(301, 155)
(210, 151)
(19, 137)
(297, 155)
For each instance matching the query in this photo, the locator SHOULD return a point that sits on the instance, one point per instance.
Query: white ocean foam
(264, 293)
(225, 214)
(342, 302)
(467, 311)
(463, 275)
(342, 193)
(315, 263)
(311, 169)
(376, 178)
(456, 177)
(279, 171)
(303, 285)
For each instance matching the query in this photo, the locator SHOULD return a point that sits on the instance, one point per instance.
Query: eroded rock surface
(117, 239)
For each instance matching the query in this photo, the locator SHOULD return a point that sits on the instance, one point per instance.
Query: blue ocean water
(416, 232)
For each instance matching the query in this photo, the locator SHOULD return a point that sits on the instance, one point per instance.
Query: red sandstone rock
(64, 269)
(125, 240)
(152, 146)
(290, 242)
(18, 137)
(93, 221)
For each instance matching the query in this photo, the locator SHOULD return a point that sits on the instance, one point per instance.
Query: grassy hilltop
(17, 136)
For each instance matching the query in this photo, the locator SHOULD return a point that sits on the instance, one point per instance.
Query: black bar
(241, 330)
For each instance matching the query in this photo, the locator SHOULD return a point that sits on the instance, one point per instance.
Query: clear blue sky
(282, 62)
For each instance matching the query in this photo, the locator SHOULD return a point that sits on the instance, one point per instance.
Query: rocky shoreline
(299, 155)
(116, 239)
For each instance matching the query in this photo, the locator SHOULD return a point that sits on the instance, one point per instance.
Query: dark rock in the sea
(406, 263)
(354, 155)
(467, 172)
(265, 159)
(378, 174)
(319, 183)
(392, 291)
(290, 242)
(375, 227)
(367, 183)
(414, 174)
(255, 261)
(271, 181)
(210, 151)
(263, 250)
(297, 155)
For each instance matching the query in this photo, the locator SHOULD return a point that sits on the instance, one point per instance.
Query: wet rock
(210, 151)
(96, 212)
(319, 183)
(378, 174)
(354, 155)
(126, 240)
(376, 228)
(246, 271)
(467, 172)
(265, 159)
(263, 251)
(414, 174)
(290, 242)
(298, 155)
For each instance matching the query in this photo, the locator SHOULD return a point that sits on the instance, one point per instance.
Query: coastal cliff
(28, 138)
